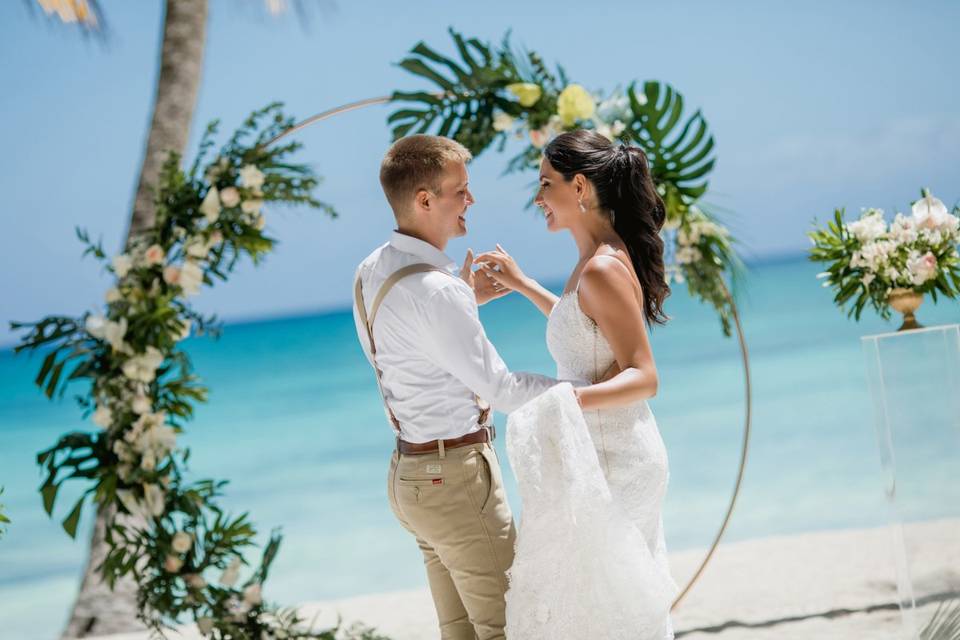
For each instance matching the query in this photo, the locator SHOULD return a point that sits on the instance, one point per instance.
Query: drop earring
(582, 208)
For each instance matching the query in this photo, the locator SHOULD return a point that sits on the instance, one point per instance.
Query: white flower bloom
(231, 573)
(191, 277)
(154, 254)
(929, 212)
(141, 404)
(210, 207)
(103, 417)
(921, 267)
(252, 594)
(143, 367)
(251, 177)
(96, 326)
(129, 501)
(148, 461)
(617, 127)
(182, 541)
(260, 222)
(869, 227)
(671, 223)
(171, 275)
(616, 107)
(867, 279)
(539, 137)
(686, 255)
(114, 333)
(197, 247)
(605, 131)
(122, 265)
(251, 206)
(113, 295)
(154, 498)
(503, 121)
(230, 197)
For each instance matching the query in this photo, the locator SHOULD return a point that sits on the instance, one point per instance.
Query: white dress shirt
(431, 348)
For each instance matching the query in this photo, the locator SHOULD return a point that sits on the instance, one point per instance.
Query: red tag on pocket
(438, 481)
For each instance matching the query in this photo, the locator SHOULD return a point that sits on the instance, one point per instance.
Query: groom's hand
(484, 287)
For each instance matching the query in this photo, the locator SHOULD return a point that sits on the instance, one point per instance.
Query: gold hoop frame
(744, 354)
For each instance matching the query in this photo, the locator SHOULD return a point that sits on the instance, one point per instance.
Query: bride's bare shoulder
(606, 278)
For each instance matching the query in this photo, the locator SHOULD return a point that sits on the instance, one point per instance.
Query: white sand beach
(824, 585)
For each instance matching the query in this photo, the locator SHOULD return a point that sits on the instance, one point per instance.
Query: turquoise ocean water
(295, 423)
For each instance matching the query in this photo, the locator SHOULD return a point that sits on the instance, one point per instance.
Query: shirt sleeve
(456, 342)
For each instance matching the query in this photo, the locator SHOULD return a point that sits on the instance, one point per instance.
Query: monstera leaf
(463, 108)
(680, 156)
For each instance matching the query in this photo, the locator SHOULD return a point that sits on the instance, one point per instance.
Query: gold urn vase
(906, 301)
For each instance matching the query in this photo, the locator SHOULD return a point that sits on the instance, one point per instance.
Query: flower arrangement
(494, 94)
(871, 262)
(171, 535)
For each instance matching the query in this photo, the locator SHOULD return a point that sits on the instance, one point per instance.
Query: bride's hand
(484, 287)
(501, 268)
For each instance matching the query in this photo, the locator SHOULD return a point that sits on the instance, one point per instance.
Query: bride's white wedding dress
(591, 561)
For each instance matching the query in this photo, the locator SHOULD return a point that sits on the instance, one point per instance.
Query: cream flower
(103, 417)
(143, 367)
(154, 498)
(141, 404)
(575, 103)
(210, 207)
(122, 265)
(231, 573)
(869, 227)
(260, 222)
(182, 541)
(230, 197)
(191, 277)
(251, 206)
(539, 137)
(154, 254)
(113, 295)
(251, 177)
(503, 121)
(171, 275)
(929, 212)
(527, 93)
(187, 324)
(195, 581)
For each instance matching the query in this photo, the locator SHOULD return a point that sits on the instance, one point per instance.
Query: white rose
(122, 265)
(141, 404)
(171, 275)
(103, 417)
(210, 207)
(191, 277)
(503, 121)
(205, 624)
(113, 295)
(148, 462)
(173, 564)
(251, 177)
(869, 227)
(197, 248)
(154, 254)
(114, 333)
(231, 573)
(230, 197)
(251, 206)
(251, 595)
(154, 498)
(182, 541)
(96, 326)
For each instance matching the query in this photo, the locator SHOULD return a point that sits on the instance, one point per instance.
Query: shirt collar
(422, 249)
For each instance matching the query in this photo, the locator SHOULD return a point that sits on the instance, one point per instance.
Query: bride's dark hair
(621, 176)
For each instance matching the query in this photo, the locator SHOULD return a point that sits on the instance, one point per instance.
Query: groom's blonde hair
(414, 163)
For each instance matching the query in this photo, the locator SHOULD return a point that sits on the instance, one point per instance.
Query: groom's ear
(422, 199)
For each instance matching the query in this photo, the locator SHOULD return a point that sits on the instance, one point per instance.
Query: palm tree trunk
(98, 610)
(181, 60)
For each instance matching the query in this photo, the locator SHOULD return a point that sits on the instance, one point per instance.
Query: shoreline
(824, 584)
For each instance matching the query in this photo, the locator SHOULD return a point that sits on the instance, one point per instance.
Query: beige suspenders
(394, 278)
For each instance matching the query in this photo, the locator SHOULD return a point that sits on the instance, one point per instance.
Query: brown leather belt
(486, 433)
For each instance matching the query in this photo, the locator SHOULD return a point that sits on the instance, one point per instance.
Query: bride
(591, 466)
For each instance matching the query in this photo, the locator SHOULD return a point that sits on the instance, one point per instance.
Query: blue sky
(813, 105)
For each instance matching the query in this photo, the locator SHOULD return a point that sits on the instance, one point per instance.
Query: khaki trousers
(455, 506)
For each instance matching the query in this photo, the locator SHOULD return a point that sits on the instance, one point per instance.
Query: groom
(418, 324)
